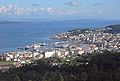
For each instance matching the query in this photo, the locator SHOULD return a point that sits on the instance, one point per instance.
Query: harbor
(65, 45)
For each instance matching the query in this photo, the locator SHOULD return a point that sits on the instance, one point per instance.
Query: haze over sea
(13, 35)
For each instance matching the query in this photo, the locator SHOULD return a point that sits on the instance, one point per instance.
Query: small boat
(35, 46)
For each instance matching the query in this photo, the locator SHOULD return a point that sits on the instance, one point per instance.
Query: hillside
(112, 29)
(100, 67)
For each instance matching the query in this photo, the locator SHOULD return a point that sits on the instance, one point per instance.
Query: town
(70, 44)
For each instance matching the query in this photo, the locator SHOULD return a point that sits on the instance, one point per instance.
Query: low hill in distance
(108, 29)
(112, 29)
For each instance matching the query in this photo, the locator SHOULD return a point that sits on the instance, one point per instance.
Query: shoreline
(16, 32)
(53, 37)
(73, 43)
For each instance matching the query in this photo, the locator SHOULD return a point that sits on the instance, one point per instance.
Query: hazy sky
(81, 9)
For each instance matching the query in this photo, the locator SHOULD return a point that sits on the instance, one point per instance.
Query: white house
(35, 54)
(49, 54)
(7, 58)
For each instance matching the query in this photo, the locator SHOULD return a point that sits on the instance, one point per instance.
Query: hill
(101, 67)
(112, 29)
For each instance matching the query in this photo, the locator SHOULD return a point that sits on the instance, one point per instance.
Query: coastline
(70, 44)
(25, 33)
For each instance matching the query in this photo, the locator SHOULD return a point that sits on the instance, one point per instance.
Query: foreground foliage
(100, 67)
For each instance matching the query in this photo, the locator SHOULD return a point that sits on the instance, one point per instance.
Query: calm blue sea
(13, 35)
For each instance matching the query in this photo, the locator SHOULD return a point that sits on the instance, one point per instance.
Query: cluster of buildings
(34, 52)
(98, 38)
(82, 43)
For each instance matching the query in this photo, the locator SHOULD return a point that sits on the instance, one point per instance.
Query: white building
(49, 54)
(35, 54)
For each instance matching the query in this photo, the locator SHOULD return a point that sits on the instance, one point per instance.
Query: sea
(15, 35)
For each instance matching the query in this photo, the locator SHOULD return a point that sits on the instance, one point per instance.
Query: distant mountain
(112, 29)
(12, 22)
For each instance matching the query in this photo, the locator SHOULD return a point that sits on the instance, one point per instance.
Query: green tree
(17, 78)
(44, 79)
(61, 78)
(84, 76)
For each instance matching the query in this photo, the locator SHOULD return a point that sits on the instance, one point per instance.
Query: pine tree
(61, 78)
(17, 78)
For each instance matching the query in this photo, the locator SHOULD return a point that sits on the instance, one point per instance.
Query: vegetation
(3, 62)
(112, 29)
(78, 31)
(101, 67)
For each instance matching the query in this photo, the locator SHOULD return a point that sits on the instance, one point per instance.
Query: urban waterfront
(68, 46)
(14, 35)
(59, 40)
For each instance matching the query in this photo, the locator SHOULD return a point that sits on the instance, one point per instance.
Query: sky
(59, 9)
